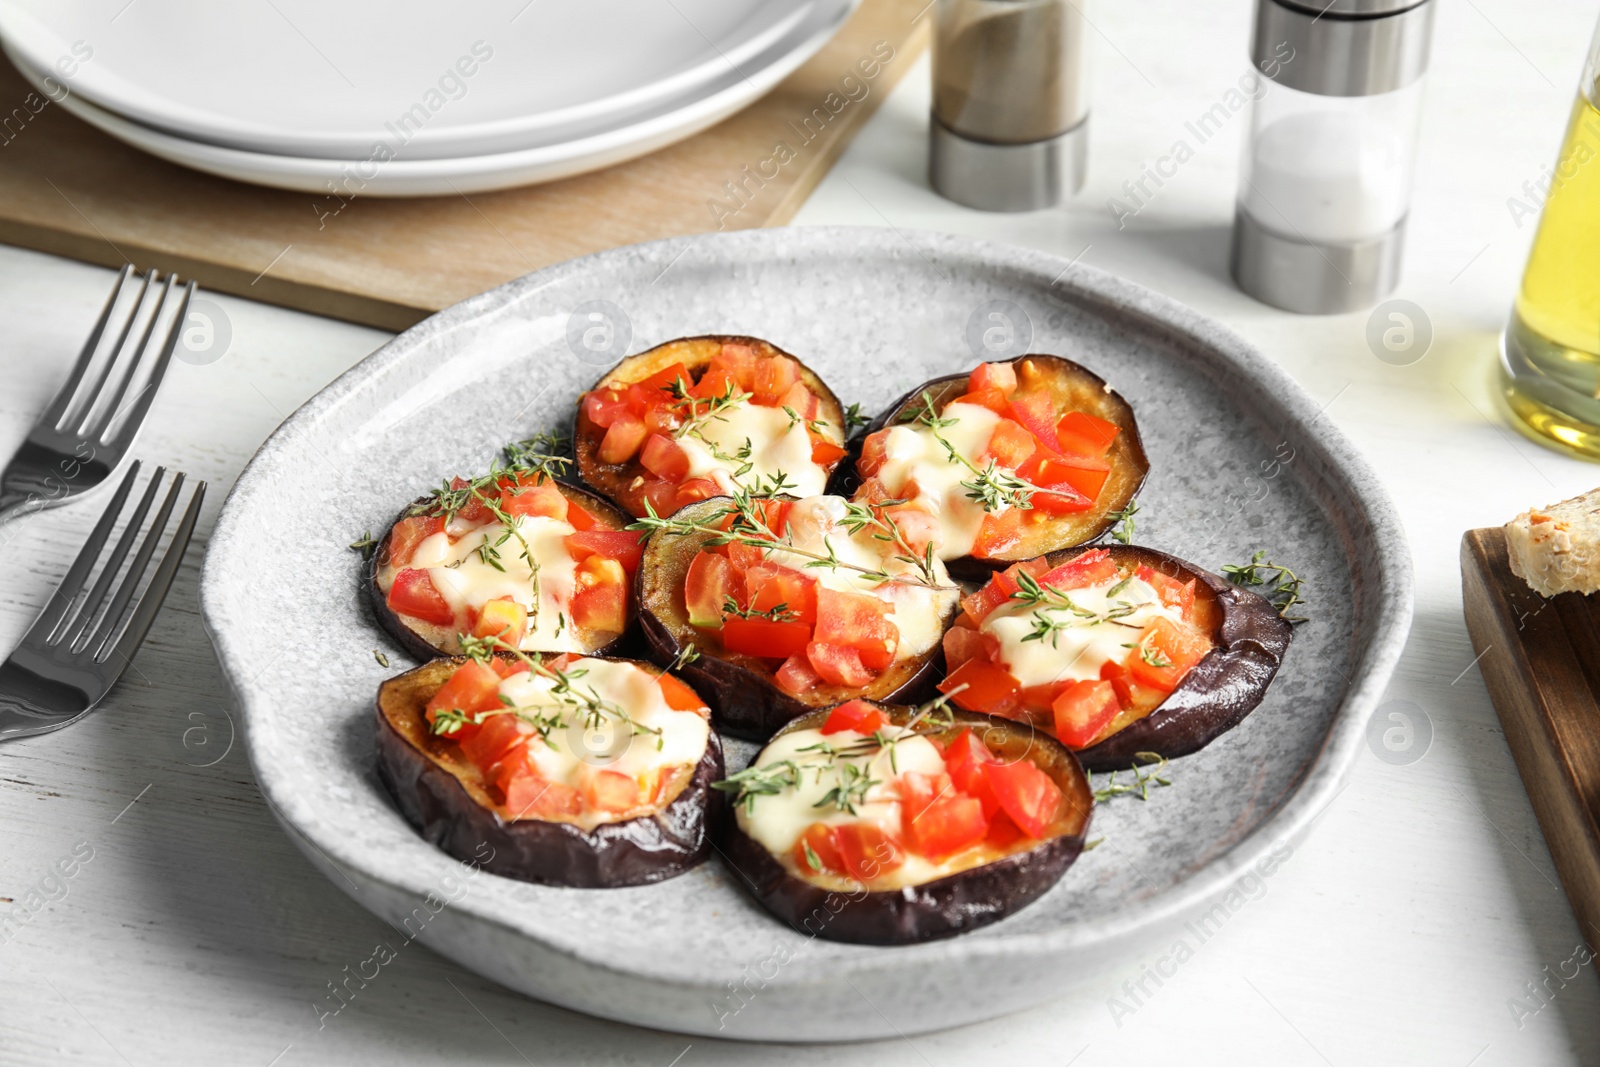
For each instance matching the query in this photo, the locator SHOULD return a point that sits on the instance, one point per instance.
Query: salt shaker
(1325, 184)
(1009, 130)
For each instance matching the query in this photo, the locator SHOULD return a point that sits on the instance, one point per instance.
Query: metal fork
(78, 442)
(75, 651)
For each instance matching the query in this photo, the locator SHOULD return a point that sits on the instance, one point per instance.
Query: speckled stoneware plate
(1239, 458)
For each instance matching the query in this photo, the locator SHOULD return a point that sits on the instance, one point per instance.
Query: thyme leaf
(1149, 771)
(1122, 524)
(1280, 585)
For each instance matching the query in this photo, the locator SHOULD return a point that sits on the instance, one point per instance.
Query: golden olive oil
(1550, 352)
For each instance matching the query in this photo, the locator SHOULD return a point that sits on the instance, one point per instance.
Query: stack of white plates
(408, 97)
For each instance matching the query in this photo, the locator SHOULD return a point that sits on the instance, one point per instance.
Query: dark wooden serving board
(1540, 657)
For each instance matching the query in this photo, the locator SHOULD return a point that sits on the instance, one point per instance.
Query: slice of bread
(1557, 549)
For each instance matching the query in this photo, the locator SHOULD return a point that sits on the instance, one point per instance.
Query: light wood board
(1540, 658)
(69, 189)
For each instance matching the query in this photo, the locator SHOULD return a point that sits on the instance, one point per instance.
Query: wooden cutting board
(69, 189)
(1540, 658)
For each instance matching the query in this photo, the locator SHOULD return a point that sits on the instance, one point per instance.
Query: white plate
(404, 176)
(1241, 459)
(328, 81)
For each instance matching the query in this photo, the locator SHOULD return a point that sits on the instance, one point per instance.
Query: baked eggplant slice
(1115, 651)
(597, 773)
(792, 605)
(889, 825)
(702, 416)
(458, 562)
(1010, 462)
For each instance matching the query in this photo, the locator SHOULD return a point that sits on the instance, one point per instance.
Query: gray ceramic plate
(1239, 460)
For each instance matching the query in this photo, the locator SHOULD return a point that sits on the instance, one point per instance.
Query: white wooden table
(1407, 929)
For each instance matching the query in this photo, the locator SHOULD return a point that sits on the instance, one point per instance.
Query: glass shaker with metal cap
(1009, 130)
(1325, 184)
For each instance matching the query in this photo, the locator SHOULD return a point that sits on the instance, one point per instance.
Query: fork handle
(14, 503)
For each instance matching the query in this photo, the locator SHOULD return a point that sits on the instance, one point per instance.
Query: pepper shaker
(1325, 185)
(1009, 130)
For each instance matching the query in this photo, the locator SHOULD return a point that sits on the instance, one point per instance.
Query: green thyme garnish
(853, 419)
(1122, 524)
(1149, 771)
(377, 654)
(1281, 585)
(365, 544)
(530, 461)
(776, 613)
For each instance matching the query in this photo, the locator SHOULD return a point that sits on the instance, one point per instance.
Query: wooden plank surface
(1540, 658)
(69, 189)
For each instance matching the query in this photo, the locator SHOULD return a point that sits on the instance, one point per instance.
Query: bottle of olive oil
(1550, 352)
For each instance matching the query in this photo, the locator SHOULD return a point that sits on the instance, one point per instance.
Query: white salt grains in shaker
(1326, 179)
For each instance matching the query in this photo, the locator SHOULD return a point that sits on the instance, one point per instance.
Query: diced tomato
(984, 686)
(1061, 499)
(1001, 376)
(497, 737)
(474, 687)
(1129, 692)
(603, 406)
(1082, 710)
(990, 398)
(1081, 571)
(962, 643)
(536, 500)
(999, 533)
(505, 667)
(711, 580)
(744, 556)
(1027, 794)
(413, 593)
(1010, 444)
(715, 382)
(946, 825)
(695, 490)
(1164, 652)
(1036, 411)
(579, 518)
(859, 621)
(678, 694)
(800, 400)
(408, 534)
(824, 453)
(662, 380)
(1003, 833)
(866, 851)
(622, 439)
(530, 795)
(872, 453)
(775, 513)
(1039, 698)
(611, 791)
(838, 665)
(1086, 474)
(601, 599)
(855, 715)
(620, 545)
(796, 676)
(768, 585)
(665, 458)
(998, 589)
(740, 361)
(823, 845)
(918, 529)
(658, 493)
(503, 618)
(473, 513)
(1078, 429)
(765, 638)
(1173, 593)
(774, 376)
(964, 761)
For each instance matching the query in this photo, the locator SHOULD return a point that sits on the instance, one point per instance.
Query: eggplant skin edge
(650, 848)
(945, 907)
(1220, 690)
(421, 649)
(846, 479)
(745, 701)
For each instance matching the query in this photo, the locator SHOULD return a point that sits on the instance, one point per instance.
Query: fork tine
(134, 417)
(96, 429)
(75, 624)
(112, 619)
(72, 584)
(63, 399)
(113, 355)
(145, 613)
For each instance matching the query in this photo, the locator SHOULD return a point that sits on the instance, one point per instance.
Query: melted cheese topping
(918, 468)
(580, 748)
(814, 526)
(465, 579)
(776, 442)
(1099, 631)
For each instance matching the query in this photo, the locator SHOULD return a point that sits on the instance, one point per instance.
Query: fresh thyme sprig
(532, 460)
(365, 544)
(817, 426)
(1142, 782)
(1282, 585)
(928, 415)
(490, 554)
(853, 419)
(1047, 599)
(689, 405)
(776, 613)
(1122, 524)
(860, 517)
(686, 655)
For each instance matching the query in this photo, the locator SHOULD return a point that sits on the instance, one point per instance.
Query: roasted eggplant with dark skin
(469, 574)
(704, 416)
(602, 807)
(1120, 652)
(932, 840)
(1010, 462)
(792, 606)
